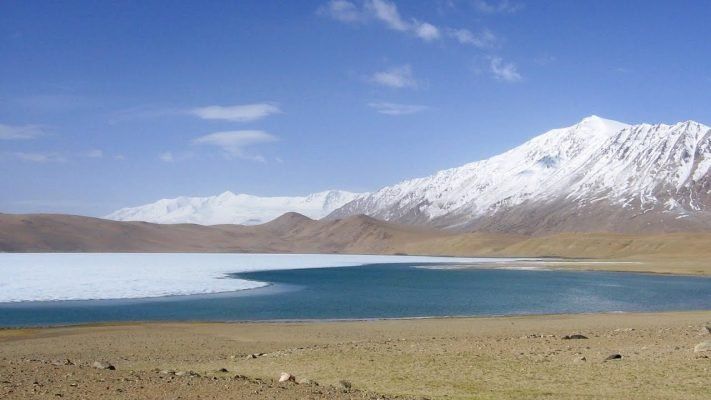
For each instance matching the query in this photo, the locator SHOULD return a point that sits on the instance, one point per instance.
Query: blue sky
(111, 104)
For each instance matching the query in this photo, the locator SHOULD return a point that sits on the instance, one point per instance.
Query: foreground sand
(457, 358)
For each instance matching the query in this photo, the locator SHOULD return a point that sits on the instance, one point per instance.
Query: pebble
(574, 336)
(287, 377)
(103, 365)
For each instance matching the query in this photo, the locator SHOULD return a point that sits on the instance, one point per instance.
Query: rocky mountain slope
(230, 208)
(597, 175)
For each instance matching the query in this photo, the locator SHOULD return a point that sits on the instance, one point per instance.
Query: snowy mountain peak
(231, 208)
(598, 122)
(597, 173)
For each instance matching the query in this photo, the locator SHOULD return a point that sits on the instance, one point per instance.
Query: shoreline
(691, 266)
(314, 321)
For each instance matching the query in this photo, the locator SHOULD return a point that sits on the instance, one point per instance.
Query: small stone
(705, 330)
(574, 336)
(66, 361)
(580, 359)
(103, 365)
(181, 373)
(703, 347)
(345, 385)
(167, 372)
(287, 377)
(613, 357)
(222, 370)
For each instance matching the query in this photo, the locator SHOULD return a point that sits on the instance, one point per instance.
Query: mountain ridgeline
(231, 208)
(595, 176)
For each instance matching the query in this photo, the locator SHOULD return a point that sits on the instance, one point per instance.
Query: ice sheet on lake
(85, 276)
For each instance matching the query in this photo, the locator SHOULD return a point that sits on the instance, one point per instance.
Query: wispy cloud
(504, 71)
(166, 156)
(24, 132)
(41, 158)
(483, 39)
(170, 156)
(396, 77)
(426, 31)
(95, 153)
(396, 109)
(498, 7)
(237, 113)
(387, 12)
(341, 10)
(383, 11)
(235, 143)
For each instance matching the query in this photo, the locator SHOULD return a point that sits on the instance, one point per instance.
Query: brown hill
(289, 233)
(295, 233)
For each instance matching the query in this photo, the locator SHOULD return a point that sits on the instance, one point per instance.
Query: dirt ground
(455, 358)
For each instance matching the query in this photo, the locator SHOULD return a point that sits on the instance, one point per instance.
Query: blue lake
(389, 291)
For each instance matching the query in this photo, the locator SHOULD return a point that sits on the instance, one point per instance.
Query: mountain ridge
(231, 208)
(596, 175)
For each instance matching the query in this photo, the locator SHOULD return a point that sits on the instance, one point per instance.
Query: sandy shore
(667, 267)
(456, 358)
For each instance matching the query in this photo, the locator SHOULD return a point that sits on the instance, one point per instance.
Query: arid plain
(622, 356)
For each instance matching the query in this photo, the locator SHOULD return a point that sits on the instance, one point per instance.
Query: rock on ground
(703, 347)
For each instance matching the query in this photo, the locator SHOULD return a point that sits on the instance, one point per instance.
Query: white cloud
(341, 10)
(41, 158)
(427, 31)
(396, 109)
(234, 143)
(396, 77)
(504, 71)
(169, 156)
(166, 156)
(380, 10)
(497, 7)
(482, 40)
(387, 12)
(237, 113)
(95, 153)
(24, 132)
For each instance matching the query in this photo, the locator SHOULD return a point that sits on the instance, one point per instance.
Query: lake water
(388, 290)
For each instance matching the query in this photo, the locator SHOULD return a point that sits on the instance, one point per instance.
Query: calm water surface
(389, 291)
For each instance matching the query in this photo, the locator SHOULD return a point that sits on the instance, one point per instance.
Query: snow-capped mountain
(230, 208)
(595, 175)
